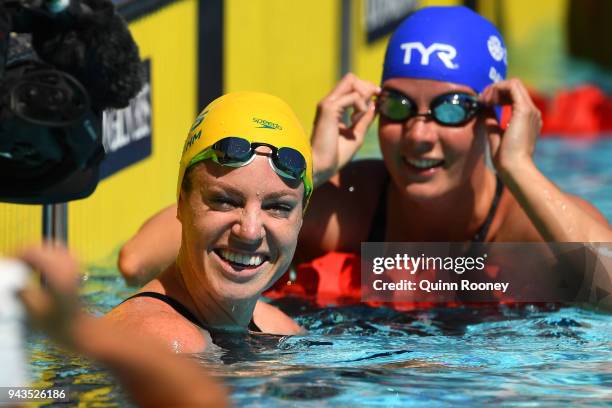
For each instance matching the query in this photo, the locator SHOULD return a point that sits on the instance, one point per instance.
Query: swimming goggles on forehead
(237, 152)
(451, 109)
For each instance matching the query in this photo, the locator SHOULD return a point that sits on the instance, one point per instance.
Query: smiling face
(426, 159)
(240, 228)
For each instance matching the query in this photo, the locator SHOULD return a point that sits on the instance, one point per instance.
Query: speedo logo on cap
(445, 52)
(266, 124)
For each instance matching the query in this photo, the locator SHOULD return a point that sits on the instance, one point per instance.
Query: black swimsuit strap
(183, 311)
(173, 303)
(254, 327)
(378, 226)
(379, 221)
(482, 232)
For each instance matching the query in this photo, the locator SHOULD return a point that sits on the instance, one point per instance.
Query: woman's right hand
(333, 142)
(54, 307)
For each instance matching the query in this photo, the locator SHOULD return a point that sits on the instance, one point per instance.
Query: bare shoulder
(339, 215)
(358, 179)
(153, 318)
(353, 174)
(271, 319)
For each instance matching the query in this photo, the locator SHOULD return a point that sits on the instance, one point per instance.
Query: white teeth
(242, 259)
(424, 163)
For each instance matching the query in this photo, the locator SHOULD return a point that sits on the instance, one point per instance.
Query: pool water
(532, 355)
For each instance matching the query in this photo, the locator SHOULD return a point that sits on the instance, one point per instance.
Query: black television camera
(62, 62)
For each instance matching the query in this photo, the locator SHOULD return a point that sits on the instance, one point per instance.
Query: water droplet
(176, 346)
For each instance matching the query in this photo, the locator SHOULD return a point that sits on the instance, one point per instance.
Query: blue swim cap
(451, 44)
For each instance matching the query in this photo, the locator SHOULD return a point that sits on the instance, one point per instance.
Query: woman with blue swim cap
(443, 83)
(444, 70)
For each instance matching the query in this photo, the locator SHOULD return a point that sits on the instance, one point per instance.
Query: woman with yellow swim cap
(244, 180)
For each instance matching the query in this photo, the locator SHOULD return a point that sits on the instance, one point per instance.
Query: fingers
(361, 123)
(351, 83)
(332, 140)
(53, 308)
(508, 92)
(513, 92)
(354, 99)
(37, 303)
(515, 148)
(349, 92)
(361, 118)
(55, 264)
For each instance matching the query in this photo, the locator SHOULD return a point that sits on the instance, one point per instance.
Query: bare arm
(557, 216)
(153, 376)
(152, 249)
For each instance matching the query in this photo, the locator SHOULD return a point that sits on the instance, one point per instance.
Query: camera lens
(57, 97)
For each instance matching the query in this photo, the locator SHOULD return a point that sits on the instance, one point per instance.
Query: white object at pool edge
(13, 276)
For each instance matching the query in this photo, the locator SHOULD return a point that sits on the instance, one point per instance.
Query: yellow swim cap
(256, 117)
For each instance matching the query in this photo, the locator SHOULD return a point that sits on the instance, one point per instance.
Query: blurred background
(195, 50)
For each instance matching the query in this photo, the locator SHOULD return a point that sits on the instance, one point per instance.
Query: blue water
(580, 167)
(533, 355)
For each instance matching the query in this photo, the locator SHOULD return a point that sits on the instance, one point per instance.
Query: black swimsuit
(236, 346)
(186, 313)
(379, 221)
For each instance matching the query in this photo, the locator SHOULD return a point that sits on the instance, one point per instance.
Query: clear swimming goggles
(451, 109)
(237, 152)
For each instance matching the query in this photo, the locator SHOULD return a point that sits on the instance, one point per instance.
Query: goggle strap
(210, 153)
(203, 155)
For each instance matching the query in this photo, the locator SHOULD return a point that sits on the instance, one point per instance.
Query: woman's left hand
(513, 147)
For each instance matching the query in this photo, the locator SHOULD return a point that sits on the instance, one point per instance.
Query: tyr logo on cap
(445, 52)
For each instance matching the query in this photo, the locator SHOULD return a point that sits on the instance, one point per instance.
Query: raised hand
(514, 147)
(333, 142)
(557, 216)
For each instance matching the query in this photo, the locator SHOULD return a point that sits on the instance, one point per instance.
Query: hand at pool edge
(153, 376)
(53, 309)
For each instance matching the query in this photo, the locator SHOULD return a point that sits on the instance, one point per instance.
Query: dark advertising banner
(383, 16)
(134, 9)
(127, 132)
(486, 272)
